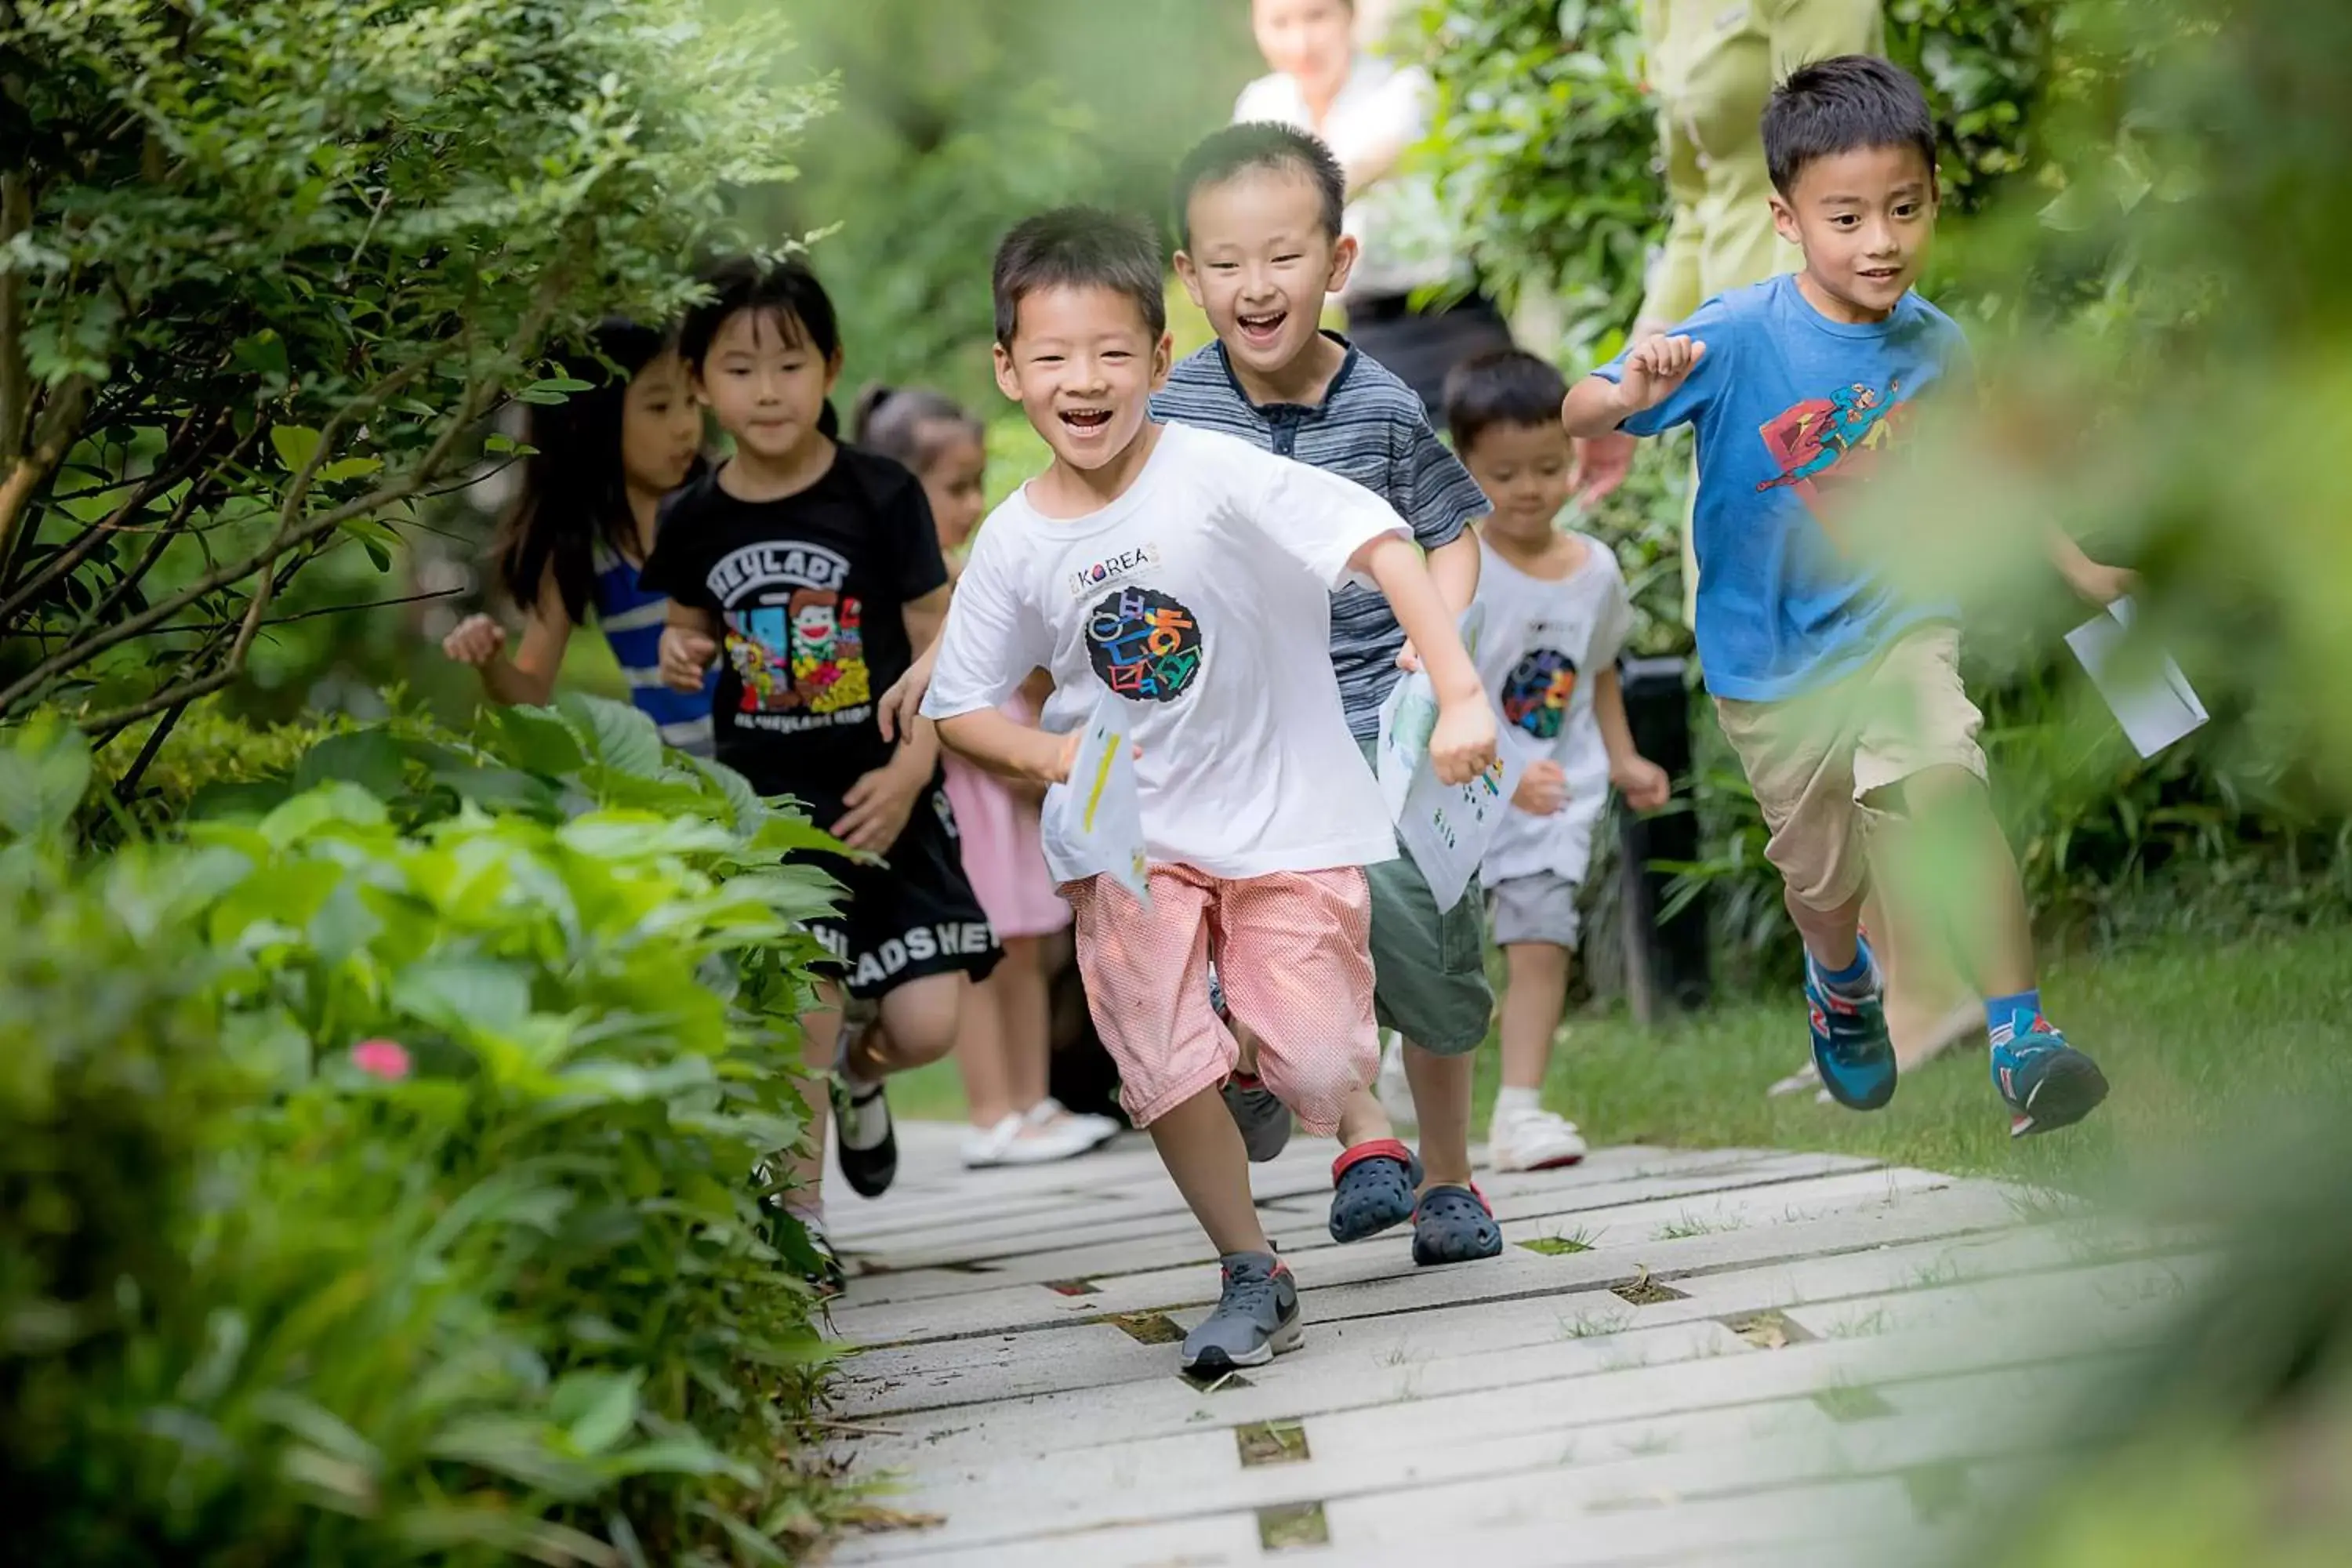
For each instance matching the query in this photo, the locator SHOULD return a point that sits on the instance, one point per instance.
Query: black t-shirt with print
(810, 590)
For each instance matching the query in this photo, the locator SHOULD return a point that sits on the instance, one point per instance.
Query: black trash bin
(1666, 961)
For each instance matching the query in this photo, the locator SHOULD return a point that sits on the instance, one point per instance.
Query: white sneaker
(1392, 1089)
(985, 1146)
(1051, 1113)
(1529, 1137)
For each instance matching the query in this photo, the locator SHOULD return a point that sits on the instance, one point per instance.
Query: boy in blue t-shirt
(1841, 697)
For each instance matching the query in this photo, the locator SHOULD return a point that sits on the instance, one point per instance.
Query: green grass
(2201, 1043)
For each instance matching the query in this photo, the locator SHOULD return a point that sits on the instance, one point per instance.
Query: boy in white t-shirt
(1190, 574)
(1556, 616)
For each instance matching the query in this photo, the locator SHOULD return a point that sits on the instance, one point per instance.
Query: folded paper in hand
(2155, 704)
(1444, 828)
(1099, 814)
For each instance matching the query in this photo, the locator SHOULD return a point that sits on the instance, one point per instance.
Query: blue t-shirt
(1793, 412)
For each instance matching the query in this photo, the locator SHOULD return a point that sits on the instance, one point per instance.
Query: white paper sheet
(1098, 815)
(2156, 705)
(1444, 828)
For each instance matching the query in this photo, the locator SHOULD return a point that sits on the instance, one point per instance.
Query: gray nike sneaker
(1264, 1120)
(1256, 1318)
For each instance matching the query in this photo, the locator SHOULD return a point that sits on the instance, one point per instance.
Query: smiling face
(766, 383)
(1310, 41)
(1259, 262)
(1864, 220)
(1083, 364)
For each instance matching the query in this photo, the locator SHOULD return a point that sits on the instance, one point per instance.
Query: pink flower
(381, 1058)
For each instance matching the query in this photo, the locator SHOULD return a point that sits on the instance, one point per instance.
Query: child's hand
(2099, 584)
(1642, 781)
(1543, 789)
(1408, 657)
(879, 806)
(1653, 372)
(476, 641)
(1462, 744)
(1601, 465)
(686, 656)
(903, 703)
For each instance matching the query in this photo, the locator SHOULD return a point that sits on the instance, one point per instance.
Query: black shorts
(913, 916)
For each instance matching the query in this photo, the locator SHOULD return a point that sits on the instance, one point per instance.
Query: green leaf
(553, 391)
(751, 811)
(500, 789)
(371, 758)
(376, 538)
(537, 739)
(223, 800)
(350, 468)
(624, 738)
(595, 1408)
(296, 444)
(43, 773)
(462, 995)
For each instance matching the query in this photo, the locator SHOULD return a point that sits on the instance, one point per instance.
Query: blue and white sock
(1857, 982)
(2006, 1017)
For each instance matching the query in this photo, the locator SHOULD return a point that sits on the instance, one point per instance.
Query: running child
(1004, 1052)
(812, 570)
(1260, 211)
(1843, 698)
(579, 532)
(1190, 574)
(1557, 614)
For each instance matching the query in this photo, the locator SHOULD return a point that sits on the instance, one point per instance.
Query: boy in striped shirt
(1259, 207)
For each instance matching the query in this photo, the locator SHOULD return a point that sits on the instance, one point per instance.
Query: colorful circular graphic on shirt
(1144, 645)
(1536, 692)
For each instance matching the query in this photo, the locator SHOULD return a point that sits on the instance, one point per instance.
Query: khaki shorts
(1817, 761)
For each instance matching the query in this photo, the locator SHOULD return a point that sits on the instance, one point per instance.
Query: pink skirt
(1004, 857)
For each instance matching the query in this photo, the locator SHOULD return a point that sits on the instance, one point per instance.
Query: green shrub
(376, 1163)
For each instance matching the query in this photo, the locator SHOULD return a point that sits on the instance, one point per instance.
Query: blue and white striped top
(632, 621)
(1369, 427)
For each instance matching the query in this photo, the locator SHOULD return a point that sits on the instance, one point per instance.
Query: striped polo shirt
(1369, 427)
(632, 621)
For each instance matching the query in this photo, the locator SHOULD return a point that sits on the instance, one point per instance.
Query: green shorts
(1429, 970)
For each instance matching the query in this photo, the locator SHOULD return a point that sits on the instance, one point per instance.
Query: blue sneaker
(1852, 1050)
(2047, 1083)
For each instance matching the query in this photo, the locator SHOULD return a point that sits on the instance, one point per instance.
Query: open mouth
(1086, 420)
(1881, 274)
(1260, 328)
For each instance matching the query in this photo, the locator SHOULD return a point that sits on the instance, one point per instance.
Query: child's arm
(1653, 373)
(2098, 584)
(689, 643)
(1642, 781)
(1454, 567)
(529, 676)
(876, 807)
(1463, 745)
(987, 739)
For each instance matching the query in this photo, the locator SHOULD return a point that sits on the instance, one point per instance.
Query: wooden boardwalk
(1728, 1357)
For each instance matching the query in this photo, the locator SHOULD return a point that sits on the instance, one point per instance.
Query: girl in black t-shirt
(810, 573)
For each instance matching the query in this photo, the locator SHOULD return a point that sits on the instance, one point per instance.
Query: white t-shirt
(1399, 221)
(1542, 645)
(1202, 596)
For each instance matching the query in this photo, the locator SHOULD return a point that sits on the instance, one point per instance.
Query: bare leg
(1362, 1120)
(1202, 1151)
(820, 1037)
(1951, 845)
(981, 1053)
(1830, 935)
(919, 1021)
(1024, 1018)
(1441, 1099)
(1534, 998)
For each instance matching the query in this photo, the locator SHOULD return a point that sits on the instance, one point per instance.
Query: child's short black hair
(1842, 105)
(787, 292)
(1502, 386)
(1081, 248)
(1261, 144)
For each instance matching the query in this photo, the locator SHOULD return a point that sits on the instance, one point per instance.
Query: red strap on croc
(1379, 1149)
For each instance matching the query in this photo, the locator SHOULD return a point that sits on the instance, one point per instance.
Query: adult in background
(1368, 109)
(1711, 65)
